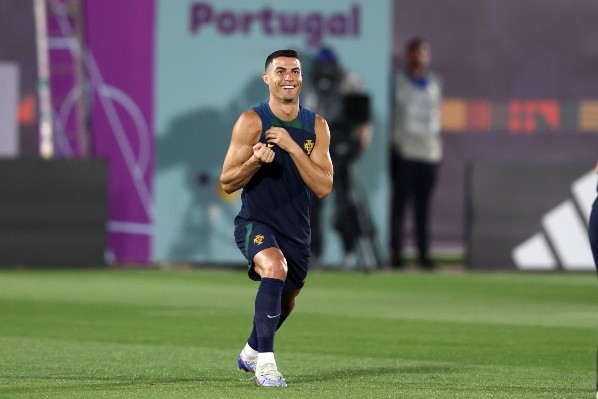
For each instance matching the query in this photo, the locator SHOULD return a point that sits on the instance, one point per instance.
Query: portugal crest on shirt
(258, 239)
(308, 145)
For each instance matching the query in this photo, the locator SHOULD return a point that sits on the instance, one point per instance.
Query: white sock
(249, 351)
(265, 357)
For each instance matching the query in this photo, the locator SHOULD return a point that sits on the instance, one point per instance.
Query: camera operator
(339, 97)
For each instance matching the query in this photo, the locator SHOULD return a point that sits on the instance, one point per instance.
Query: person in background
(279, 155)
(593, 228)
(338, 95)
(416, 150)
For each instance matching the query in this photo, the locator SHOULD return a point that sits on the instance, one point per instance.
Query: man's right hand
(263, 153)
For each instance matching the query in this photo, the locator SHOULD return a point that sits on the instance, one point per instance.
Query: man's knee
(271, 263)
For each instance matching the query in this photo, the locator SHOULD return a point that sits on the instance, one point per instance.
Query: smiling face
(284, 78)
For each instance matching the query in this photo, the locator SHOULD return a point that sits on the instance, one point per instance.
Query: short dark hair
(414, 43)
(280, 53)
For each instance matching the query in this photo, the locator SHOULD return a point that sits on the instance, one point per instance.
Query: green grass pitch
(176, 334)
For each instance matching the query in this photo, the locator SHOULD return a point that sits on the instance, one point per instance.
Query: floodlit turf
(176, 334)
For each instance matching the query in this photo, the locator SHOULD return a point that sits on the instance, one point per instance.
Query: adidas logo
(563, 241)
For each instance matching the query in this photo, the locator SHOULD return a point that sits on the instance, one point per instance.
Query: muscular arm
(245, 153)
(315, 170)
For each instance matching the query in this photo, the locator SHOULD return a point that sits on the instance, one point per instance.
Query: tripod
(353, 219)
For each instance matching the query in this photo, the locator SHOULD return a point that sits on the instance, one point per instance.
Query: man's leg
(424, 186)
(267, 318)
(271, 265)
(400, 194)
(267, 265)
(248, 358)
(267, 314)
(287, 305)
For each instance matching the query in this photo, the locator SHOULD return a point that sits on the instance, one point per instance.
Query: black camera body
(345, 143)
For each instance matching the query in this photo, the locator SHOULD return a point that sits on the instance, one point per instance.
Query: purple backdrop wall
(522, 84)
(120, 39)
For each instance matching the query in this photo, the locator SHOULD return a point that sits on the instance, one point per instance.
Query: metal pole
(46, 142)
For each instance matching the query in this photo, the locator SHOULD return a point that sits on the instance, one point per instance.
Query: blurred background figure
(338, 95)
(416, 149)
(593, 228)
